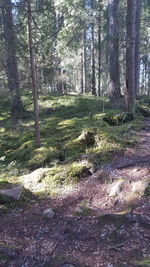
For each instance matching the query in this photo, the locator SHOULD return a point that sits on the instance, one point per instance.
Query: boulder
(34, 178)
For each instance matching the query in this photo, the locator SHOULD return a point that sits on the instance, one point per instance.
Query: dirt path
(81, 240)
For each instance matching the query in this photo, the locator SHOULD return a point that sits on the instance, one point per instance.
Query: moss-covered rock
(143, 110)
(87, 138)
(84, 209)
(118, 118)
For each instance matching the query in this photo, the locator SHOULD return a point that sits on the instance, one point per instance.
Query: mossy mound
(118, 118)
(143, 110)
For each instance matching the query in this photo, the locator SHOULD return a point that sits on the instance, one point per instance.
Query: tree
(93, 82)
(33, 77)
(130, 54)
(11, 60)
(137, 45)
(114, 67)
(99, 20)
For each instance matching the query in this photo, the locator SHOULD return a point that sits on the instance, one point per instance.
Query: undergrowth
(62, 121)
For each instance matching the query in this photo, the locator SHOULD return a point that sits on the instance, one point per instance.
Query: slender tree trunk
(99, 49)
(11, 61)
(114, 66)
(81, 75)
(84, 63)
(33, 77)
(130, 55)
(93, 86)
(137, 45)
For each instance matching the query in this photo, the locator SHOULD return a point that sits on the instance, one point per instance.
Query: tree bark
(130, 55)
(33, 77)
(84, 62)
(11, 60)
(93, 87)
(114, 66)
(137, 45)
(99, 48)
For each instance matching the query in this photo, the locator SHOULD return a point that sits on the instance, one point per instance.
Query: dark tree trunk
(93, 86)
(99, 48)
(84, 62)
(11, 63)
(137, 46)
(130, 55)
(114, 66)
(33, 77)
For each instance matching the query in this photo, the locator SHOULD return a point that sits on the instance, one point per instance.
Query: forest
(74, 133)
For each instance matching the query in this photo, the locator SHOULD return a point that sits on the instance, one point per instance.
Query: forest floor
(94, 178)
(91, 240)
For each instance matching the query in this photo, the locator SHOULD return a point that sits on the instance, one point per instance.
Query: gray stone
(14, 192)
(30, 181)
(140, 187)
(116, 188)
(49, 213)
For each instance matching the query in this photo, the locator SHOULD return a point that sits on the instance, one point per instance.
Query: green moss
(117, 118)
(145, 262)
(60, 130)
(84, 209)
(4, 258)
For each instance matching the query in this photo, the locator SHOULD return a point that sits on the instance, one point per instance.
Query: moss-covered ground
(63, 120)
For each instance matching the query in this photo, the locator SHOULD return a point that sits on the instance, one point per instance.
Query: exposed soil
(81, 240)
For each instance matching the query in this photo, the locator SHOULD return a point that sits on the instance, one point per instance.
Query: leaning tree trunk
(137, 46)
(130, 55)
(33, 77)
(11, 61)
(114, 66)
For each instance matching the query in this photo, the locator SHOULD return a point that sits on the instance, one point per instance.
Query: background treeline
(97, 46)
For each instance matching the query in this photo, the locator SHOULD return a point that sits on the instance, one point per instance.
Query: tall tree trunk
(130, 54)
(81, 75)
(99, 48)
(137, 45)
(33, 77)
(93, 87)
(114, 66)
(84, 62)
(11, 63)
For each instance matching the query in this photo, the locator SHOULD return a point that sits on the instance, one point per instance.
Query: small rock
(78, 210)
(49, 213)
(116, 188)
(14, 192)
(102, 175)
(140, 187)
